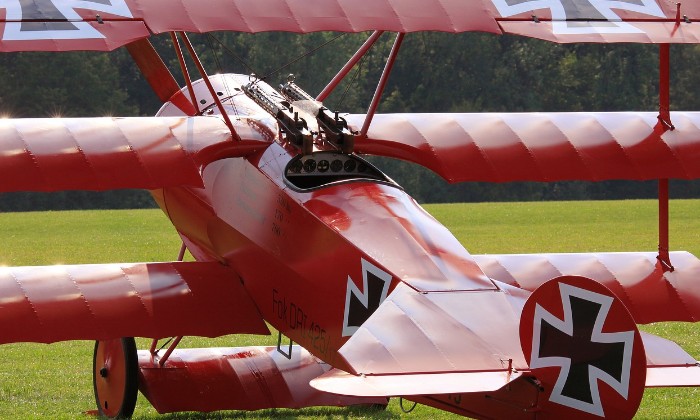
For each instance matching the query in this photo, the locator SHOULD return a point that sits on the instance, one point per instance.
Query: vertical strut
(205, 77)
(181, 254)
(349, 65)
(664, 257)
(169, 351)
(185, 72)
(665, 120)
(382, 84)
(158, 76)
(664, 86)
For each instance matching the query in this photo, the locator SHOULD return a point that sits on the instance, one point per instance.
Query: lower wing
(106, 301)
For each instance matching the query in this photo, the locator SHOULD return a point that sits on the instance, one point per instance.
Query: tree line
(435, 72)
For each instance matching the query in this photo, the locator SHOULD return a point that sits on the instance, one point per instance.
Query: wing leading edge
(106, 301)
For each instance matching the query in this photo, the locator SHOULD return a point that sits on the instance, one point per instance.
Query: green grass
(54, 381)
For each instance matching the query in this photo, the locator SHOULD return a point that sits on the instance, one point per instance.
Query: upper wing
(104, 25)
(53, 154)
(647, 21)
(502, 147)
(650, 294)
(105, 301)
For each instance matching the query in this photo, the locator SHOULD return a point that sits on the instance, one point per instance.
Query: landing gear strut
(115, 377)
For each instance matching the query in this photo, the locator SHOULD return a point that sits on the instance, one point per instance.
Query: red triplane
(291, 226)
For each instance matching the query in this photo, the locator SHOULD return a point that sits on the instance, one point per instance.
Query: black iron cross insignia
(55, 19)
(360, 304)
(584, 354)
(582, 16)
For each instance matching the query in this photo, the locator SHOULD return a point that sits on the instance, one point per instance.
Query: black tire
(115, 377)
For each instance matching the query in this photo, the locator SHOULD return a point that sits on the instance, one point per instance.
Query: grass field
(54, 381)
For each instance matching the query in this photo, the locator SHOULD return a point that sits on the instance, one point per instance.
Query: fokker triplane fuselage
(292, 227)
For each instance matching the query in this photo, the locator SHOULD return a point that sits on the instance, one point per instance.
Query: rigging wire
(226, 49)
(220, 69)
(355, 76)
(306, 54)
(213, 52)
(168, 341)
(250, 69)
(231, 53)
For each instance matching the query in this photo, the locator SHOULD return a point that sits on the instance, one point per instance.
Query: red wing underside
(504, 147)
(106, 301)
(61, 26)
(54, 154)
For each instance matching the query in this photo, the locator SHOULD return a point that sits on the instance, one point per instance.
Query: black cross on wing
(52, 19)
(582, 16)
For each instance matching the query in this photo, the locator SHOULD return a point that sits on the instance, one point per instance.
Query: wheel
(115, 377)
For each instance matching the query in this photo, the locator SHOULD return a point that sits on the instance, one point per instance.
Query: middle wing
(53, 154)
(503, 147)
(649, 293)
(106, 301)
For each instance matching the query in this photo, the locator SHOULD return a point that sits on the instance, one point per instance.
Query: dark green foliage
(435, 72)
(68, 85)
(75, 200)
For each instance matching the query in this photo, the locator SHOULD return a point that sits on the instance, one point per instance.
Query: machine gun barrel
(295, 128)
(334, 127)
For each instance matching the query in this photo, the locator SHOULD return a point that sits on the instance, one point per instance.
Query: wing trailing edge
(338, 382)
(505, 147)
(106, 301)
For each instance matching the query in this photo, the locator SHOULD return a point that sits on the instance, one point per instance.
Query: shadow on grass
(312, 412)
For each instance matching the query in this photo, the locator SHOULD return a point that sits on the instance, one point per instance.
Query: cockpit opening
(321, 169)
